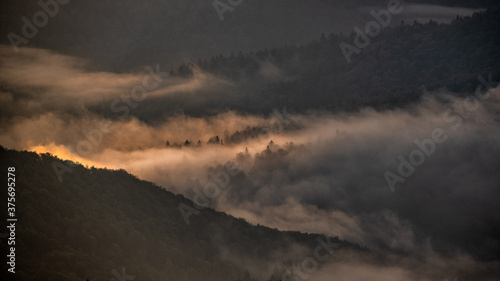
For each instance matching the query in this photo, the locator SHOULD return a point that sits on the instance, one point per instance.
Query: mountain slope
(395, 69)
(99, 220)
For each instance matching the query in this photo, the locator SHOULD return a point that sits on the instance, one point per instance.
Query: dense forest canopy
(399, 66)
(99, 220)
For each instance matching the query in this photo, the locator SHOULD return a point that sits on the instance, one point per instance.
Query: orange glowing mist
(65, 154)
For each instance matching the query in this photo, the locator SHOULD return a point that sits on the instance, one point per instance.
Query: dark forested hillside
(394, 69)
(101, 220)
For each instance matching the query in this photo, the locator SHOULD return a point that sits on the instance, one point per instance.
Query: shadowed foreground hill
(99, 220)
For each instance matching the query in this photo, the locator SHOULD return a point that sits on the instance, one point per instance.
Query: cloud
(59, 76)
(437, 12)
(423, 13)
(326, 175)
(37, 81)
(332, 180)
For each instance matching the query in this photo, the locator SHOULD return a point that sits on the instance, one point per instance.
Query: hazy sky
(129, 35)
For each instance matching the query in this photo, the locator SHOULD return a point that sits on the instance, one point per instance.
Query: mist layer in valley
(417, 185)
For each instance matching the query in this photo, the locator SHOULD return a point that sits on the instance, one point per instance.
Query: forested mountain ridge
(101, 220)
(396, 68)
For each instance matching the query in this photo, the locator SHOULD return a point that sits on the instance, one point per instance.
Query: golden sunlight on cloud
(61, 76)
(65, 154)
(58, 80)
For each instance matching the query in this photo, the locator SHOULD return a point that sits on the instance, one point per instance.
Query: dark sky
(121, 36)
